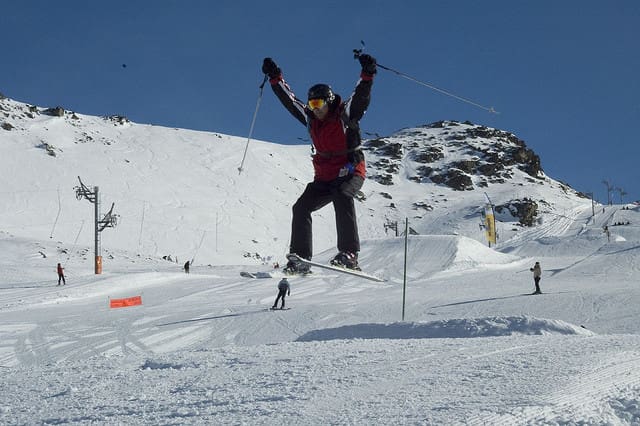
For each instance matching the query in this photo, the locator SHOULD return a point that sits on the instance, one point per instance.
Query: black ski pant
(281, 294)
(537, 281)
(61, 278)
(315, 196)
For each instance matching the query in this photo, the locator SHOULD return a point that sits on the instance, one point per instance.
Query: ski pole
(358, 52)
(253, 122)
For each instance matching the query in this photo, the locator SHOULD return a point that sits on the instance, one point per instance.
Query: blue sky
(562, 74)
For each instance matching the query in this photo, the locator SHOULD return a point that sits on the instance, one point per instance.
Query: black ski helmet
(321, 91)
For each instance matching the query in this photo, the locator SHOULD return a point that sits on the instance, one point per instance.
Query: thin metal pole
(98, 257)
(253, 122)
(404, 285)
(198, 249)
(358, 52)
(144, 203)
(57, 215)
(437, 89)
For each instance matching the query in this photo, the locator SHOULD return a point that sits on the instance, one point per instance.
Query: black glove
(352, 186)
(270, 68)
(368, 63)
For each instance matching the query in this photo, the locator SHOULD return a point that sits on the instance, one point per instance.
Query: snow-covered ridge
(448, 329)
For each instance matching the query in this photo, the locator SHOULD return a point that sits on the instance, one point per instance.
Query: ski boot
(347, 260)
(296, 268)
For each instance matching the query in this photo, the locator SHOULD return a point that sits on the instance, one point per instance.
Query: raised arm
(282, 90)
(357, 104)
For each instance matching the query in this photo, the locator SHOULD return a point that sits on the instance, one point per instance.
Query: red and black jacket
(336, 139)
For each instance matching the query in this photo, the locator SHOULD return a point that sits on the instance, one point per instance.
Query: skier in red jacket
(61, 275)
(338, 161)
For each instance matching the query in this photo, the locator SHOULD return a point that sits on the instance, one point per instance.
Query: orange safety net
(126, 302)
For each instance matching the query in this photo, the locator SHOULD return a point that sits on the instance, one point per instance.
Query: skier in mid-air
(338, 161)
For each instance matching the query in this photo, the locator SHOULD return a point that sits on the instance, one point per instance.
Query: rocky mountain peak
(462, 156)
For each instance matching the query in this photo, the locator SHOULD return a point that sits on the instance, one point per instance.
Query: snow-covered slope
(463, 342)
(178, 192)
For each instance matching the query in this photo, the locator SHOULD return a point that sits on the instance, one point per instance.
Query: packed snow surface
(475, 347)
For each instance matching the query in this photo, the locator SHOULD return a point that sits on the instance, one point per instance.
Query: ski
(256, 274)
(295, 258)
(278, 274)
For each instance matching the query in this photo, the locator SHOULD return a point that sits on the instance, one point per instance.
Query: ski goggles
(316, 103)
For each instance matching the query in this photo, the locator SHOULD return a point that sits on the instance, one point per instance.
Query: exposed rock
(428, 154)
(383, 179)
(49, 148)
(425, 171)
(455, 179)
(459, 155)
(422, 205)
(526, 210)
(467, 166)
(391, 150)
(490, 169)
(374, 143)
(117, 119)
(54, 112)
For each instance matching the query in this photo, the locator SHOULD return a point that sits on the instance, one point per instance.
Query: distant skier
(338, 162)
(537, 273)
(61, 275)
(283, 289)
(186, 267)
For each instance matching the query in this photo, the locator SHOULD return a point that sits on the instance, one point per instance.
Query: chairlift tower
(110, 220)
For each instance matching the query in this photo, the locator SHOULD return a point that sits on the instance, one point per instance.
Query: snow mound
(448, 329)
(471, 254)
(429, 255)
